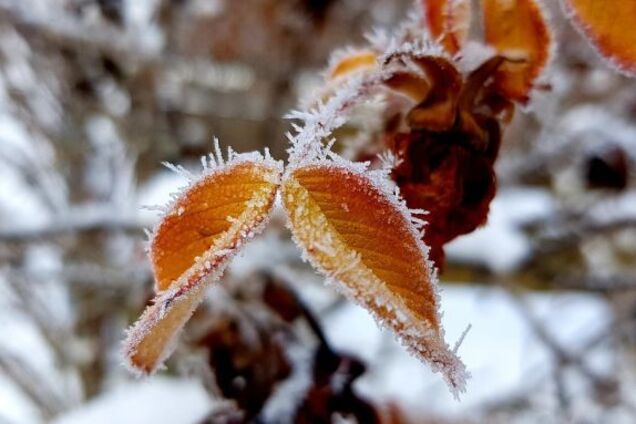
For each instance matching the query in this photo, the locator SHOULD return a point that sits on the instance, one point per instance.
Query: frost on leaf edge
(201, 272)
(591, 38)
(213, 165)
(442, 359)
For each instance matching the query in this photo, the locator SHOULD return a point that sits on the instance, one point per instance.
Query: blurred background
(95, 94)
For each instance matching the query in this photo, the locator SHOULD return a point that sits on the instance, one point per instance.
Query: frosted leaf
(193, 244)
(609, 28)
(361, 236)
(519, 31)
(344, 62)
(214, 163)
(448, 21)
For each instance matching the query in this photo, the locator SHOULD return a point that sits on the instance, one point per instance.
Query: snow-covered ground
(157, 400)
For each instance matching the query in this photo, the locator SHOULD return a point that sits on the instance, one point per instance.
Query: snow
(615, 209)
(501, 244)
(156, 191)
(17, 197)
(22, 339)
(20, 203)
(158, 400)
(589, 125)
(14, 406)
(501, 351)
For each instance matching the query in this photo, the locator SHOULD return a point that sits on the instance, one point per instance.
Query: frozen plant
(350, 219)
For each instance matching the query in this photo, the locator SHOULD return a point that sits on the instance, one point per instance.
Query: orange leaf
(518, 30)
(199, 219)
(351, 62)
(448, 21)
(610, 27)
(362, 238)
(193, 244)
(151, 340)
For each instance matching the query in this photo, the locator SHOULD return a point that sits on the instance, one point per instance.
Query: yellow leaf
(193, 244)
(610, 27)
(363, 240)
(518, 30)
